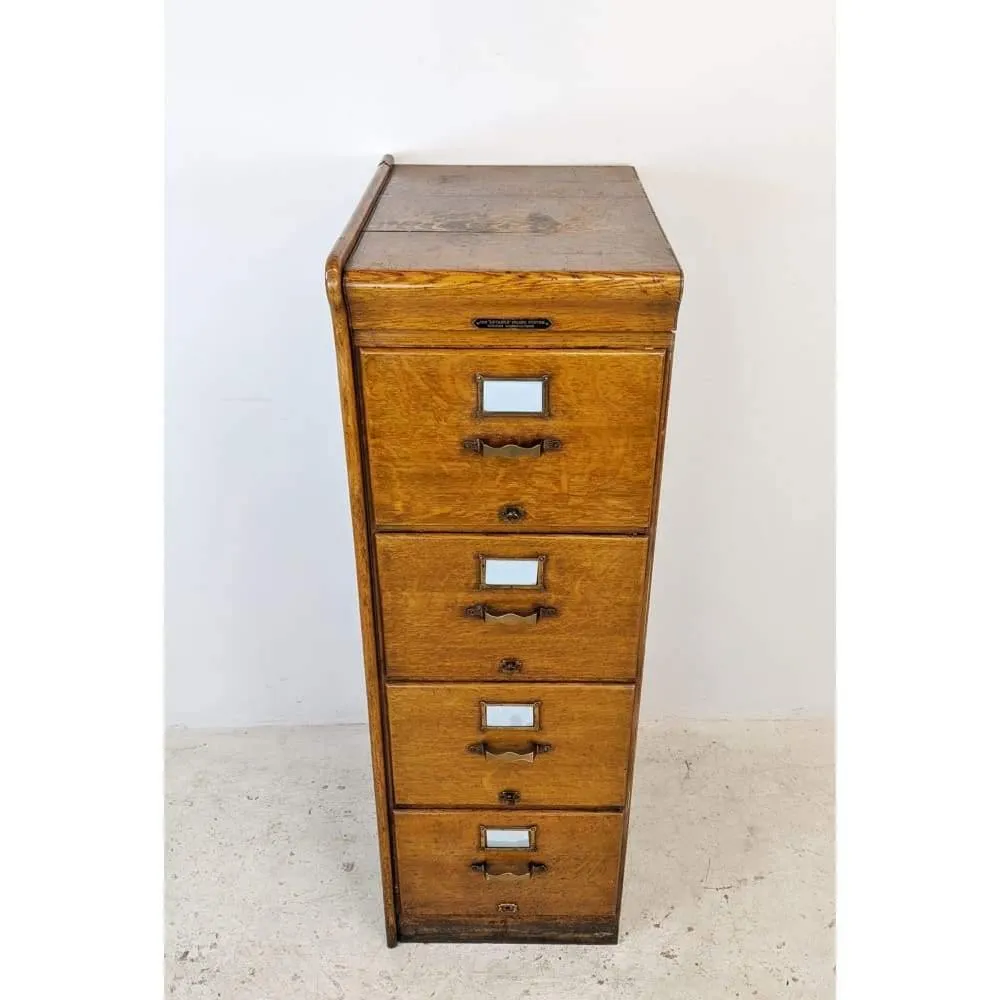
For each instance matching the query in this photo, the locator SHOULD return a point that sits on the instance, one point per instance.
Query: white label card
(511, 572)
(508, 395)
(509, 716)
(512, 840)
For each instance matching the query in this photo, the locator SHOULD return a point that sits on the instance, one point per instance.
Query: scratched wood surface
(513, 219)
(580, 246)
(587, 725)
(564, 219)
(580, 852)
(595, 583)
(420, 407)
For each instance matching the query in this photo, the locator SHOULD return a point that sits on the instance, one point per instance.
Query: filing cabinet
(504, 338)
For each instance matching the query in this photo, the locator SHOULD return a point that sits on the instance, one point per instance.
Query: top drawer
(512, 440)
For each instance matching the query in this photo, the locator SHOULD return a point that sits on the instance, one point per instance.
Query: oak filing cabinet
(504, 340)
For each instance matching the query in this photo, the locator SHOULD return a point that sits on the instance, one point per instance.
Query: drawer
(570, 870)
(555, 745)
(446, 449)
(488, 607)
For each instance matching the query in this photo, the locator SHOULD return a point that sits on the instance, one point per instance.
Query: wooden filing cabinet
(504, 339)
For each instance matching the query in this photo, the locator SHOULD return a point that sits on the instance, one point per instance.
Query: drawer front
(447, 451)
(569, 871)
(555, 745)
(489, 607)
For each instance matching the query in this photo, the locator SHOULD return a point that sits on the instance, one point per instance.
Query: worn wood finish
(580, 246)
(488, 254)
(594, 582)
(521, 219)
(513, 214)
(421, 408)
(587, 725)
(429, 250)
(554, 930)
(356, 479)
(580, 852)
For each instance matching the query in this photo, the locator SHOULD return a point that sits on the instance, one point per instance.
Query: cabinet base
(508, 932)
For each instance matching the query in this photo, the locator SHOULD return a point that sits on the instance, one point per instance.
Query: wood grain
(573, 300)
(420, 406)
(652, 340)
(357, 486)
(647, 586)
(432, 725)
(537, 215)
(595, 582)
(604, 252)
(578, 245)
(428, 250)
(521, 218)
(580, 851)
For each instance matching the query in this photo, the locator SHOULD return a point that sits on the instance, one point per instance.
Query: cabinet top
(512, 219)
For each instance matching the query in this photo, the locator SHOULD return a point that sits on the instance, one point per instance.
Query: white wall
(277, 115)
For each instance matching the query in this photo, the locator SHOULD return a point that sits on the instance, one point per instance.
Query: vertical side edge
(663, 233)
(356, 483)
(661, 447)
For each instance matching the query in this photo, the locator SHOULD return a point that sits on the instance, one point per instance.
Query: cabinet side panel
(359, 517)
(664, 406)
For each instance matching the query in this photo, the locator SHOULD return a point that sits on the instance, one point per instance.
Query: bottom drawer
(503, 874)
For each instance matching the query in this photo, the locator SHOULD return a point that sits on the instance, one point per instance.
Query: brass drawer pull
(488, 614)
(509, 797)
(510, 666)
(531, 870)
(511, 449)
(528, 755)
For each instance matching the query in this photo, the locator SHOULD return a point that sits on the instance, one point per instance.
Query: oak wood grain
(385, 299)
(421, 404)
(596, 583)
(580, 852)
(647, 586)
(357, 487)
(428, 250)
(652, 340)
(588, 726)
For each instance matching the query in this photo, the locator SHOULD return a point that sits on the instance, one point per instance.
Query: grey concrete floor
(272, 888)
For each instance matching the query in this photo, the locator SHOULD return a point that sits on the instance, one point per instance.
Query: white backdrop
(276, 117)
